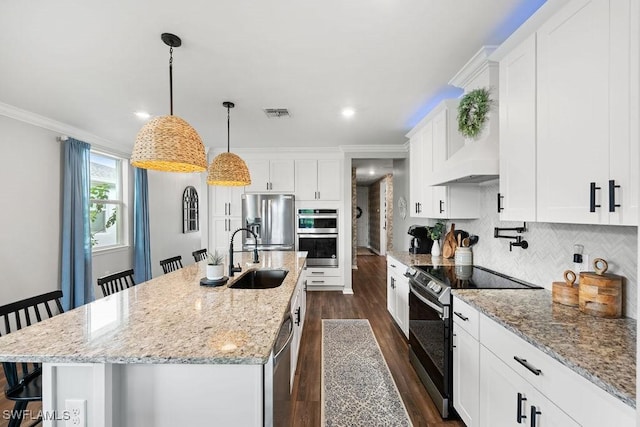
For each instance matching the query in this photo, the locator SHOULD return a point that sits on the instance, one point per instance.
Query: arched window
(190, 210)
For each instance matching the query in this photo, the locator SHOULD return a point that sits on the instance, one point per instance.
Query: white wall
(165, 217)
(31, 210)
(31, 194)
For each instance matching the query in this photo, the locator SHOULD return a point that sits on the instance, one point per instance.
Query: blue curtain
(77, 287)
(141, 246)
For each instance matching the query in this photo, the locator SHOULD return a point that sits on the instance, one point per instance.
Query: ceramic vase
(435, 249)
(215, 272)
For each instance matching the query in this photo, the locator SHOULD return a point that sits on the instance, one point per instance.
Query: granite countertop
(601, 350)
(169, 319)
(410, 259)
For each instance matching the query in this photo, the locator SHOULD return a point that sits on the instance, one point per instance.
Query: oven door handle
(317, 236)
(438, 309)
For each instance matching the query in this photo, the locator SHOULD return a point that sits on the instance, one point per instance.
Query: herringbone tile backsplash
(550, 250)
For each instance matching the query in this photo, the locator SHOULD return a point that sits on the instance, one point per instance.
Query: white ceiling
(369, 171)
(91, 64)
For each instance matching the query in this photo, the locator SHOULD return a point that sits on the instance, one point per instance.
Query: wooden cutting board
(450, 245)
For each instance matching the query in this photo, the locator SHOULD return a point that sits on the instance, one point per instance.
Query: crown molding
(476, 65)
(63, 129)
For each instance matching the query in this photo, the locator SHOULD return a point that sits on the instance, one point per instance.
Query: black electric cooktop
(473, 277)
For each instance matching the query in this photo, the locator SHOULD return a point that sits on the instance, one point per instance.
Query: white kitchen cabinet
(324, 279)
(517, 196)
(587, 93)
(466, 362)
(226, 201)
(431, 143)
(509, 365)
(416, 170)
(506, 399)
(225, 205)
(298, 312)
(271, 175)
(317, 179)
(221, 230)
(398, 294)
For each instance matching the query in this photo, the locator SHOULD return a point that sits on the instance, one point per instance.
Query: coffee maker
(421, 242)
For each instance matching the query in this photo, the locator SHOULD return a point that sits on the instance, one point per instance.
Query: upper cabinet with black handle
(587, 124)
(569, 117)
(432, 141)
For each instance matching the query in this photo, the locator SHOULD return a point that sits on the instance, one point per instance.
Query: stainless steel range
(430, 323)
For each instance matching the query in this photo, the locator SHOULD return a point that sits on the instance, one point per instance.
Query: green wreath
(472, 112)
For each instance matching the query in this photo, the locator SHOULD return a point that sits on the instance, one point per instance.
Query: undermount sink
(260, 279)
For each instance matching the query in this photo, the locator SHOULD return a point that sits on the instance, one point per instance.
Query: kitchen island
(165, 352)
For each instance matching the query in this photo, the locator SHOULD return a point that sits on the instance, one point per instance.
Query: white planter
(435, 249)
(215, 272)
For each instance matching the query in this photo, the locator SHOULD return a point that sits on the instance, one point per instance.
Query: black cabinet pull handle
(393, 265)
(419, 207)
(460, 315)
(534, 413)
(527, 365)
(519, 415)
(612, 196)
(441, 206)
(393, 283)
(592, 197)
(298, 316)
(500, 197)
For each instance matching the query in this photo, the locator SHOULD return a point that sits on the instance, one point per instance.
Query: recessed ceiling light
(371, 172)
(142, 115)
(348, 112)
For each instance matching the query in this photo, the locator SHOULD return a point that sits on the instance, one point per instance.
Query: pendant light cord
(228, 129)
(171, 79)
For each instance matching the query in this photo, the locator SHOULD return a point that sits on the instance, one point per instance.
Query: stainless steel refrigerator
(271, 218)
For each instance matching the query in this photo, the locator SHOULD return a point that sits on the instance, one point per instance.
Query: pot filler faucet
(238, 269)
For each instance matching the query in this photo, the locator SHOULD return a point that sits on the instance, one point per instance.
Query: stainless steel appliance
(318, 236)
(271, 218)
(430, 323)
(277, 376)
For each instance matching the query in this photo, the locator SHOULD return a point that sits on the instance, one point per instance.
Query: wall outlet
(77, 411)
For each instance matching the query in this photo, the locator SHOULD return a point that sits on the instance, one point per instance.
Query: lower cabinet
(507, 399)
(324, 279)
(398, 294)
(466, 375)
(499, 380)
(298, 311)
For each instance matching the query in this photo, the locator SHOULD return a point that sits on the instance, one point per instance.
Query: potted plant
(215, 269)
(435, 233)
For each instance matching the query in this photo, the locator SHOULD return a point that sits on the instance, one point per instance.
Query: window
(190, 210)
(107, 213)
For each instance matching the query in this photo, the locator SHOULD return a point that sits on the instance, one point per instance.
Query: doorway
(373, 199)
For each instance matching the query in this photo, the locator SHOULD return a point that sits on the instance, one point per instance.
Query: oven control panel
(435, 287)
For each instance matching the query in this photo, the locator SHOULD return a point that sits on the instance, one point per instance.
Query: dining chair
(116, 282)
(24, 380)
(199, 255)
(171, 264)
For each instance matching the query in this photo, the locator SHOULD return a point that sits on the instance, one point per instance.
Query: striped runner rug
(357, 387)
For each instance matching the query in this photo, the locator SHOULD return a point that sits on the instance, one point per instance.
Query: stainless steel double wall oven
(318, 235)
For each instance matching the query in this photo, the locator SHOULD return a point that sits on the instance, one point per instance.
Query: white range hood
(477, 160)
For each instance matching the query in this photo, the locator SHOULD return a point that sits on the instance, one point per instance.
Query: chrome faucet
(238, 269)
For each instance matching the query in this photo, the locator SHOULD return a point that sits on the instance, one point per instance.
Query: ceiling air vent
(276, 113)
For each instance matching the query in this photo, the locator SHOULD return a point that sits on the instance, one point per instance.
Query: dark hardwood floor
(368, 302)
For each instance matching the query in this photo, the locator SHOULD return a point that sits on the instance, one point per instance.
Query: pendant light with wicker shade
(169, 143)
(228, 169)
